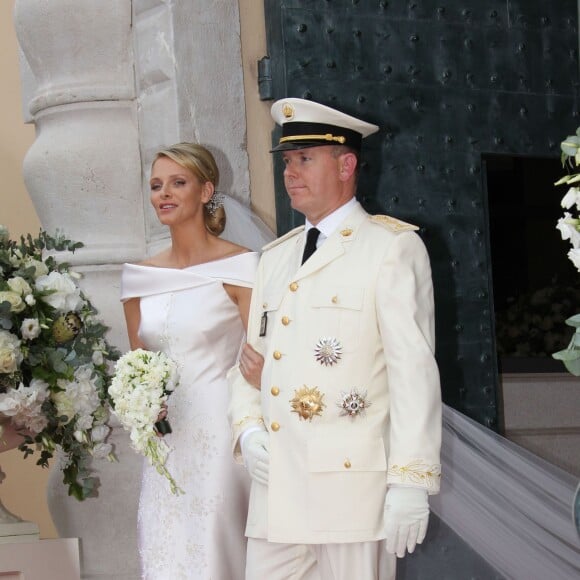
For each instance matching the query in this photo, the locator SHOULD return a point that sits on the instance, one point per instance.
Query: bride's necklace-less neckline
(223, 258)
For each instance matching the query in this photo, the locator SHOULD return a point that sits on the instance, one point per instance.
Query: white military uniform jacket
(356, 319)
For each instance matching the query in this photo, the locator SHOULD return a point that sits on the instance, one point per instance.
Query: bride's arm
(133, 318)
(251, 362)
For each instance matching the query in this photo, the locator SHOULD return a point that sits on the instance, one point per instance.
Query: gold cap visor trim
(326, 137)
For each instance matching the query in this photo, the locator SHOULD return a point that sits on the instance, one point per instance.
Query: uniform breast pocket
(338, 311)
(346, 484)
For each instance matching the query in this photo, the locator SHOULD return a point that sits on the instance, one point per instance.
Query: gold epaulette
(392, 223)
(283, 238)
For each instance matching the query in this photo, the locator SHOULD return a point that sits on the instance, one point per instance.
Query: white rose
(40, 268)
(15, 300)
(65, 295)
(30, 328)
(30, 300)
(19, 285)
(10, 355)
(97, 358)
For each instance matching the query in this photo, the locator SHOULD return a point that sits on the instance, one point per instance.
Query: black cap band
(299, 135)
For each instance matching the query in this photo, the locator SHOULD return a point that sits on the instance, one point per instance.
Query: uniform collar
(330, 223)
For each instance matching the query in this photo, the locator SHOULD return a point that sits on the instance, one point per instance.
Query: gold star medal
(328, 351)
(307, 403)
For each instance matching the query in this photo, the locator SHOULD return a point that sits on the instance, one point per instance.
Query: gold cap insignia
(328, 351)
(353, 403)
(288, 111)
(307, 402)
(346, 232)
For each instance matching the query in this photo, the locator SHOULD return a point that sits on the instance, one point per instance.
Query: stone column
(83, 175)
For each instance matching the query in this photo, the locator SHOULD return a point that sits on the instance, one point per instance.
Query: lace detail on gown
(188, 315)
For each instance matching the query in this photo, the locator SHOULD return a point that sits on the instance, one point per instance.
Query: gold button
(294, 286)
(277, 355)
(275, 391)
(285, 320)
(334, 299)
(347, 464)
(275, 426)
(265, 305)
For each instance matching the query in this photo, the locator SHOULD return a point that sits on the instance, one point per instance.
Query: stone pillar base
(13, 529)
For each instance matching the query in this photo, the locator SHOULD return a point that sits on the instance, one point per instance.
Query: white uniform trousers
(358, 560)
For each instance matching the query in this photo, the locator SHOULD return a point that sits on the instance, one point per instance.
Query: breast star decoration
(353, 403)
(328, 351)
(307, 402)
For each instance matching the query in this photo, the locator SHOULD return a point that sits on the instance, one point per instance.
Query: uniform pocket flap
(271, 301)
(350, 297)
(346, 455)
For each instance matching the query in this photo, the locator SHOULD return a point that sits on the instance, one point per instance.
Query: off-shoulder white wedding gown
(188, 315)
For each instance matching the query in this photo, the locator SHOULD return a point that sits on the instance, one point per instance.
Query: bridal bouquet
(54, 360)
(139, 390)
(569, 227)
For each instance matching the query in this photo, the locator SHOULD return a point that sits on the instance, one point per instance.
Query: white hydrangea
(80, 397)
(24, 405)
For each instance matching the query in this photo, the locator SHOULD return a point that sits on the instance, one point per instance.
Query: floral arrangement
(55, 363)
(139, 390)
(569, 227)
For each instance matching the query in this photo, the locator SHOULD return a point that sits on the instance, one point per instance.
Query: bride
(191, 301)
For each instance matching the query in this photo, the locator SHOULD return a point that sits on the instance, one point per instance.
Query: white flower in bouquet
(569, 228)
(24, 405)
(10, 354)
(143, 380)
(53, 385)
(19, 285)
(63, 294)
(14, 300)
(30, 328)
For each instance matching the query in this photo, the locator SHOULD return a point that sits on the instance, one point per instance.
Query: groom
(342, 442)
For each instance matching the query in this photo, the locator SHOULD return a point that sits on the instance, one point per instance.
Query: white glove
(254, 446)
(406, 519)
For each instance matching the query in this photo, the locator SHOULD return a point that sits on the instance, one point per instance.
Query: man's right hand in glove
(254, 446)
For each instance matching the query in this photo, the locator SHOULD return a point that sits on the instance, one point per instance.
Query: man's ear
(207, 190)
(347, 166)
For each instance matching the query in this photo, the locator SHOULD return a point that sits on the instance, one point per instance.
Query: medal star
(307, 402)
(353, 403)
(328, 351)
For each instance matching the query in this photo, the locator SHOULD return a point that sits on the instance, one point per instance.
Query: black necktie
(310, 247)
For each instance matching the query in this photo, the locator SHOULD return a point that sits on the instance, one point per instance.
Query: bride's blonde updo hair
(202, 164)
